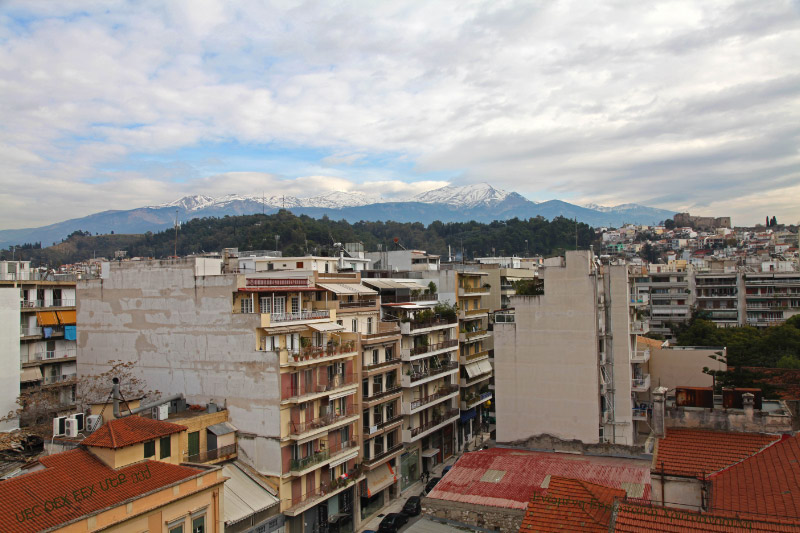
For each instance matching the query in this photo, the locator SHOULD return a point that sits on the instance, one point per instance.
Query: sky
(684, 105)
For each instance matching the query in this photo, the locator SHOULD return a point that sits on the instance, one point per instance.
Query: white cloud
(664, 103)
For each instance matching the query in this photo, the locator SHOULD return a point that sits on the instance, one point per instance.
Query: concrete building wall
(183, 336)
(682, 366)
(546, 366)
(680, 492)
(9, 355)
(621, 432)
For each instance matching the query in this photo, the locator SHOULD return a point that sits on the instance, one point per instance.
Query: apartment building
(771, 298)
(46, 335)
(717, 296)
(267, 343)
(671, 296)
(567, 364)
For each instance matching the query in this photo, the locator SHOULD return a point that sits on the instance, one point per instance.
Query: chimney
(748, 401)
(659, 411)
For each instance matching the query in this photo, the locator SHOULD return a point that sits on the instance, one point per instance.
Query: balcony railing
(407, 327)
(276, 282)
(310, 353)
(324, 491)
(29, 304)
(357, 303)
(450, 413)
(640, 327)
(441, 393)
(640, 356)
(639, 414)
(298, 465)
(394, 299)
(419, 350)
(50, 380)
(222, 452)
(298, 428)
(55, 354)
(445, 367)
(476, 355)
(390, 389)
(382, 455)
(474, 290)
(388, 362)
(300, 315)
(29, 332)
(338, 381)
(642, 382)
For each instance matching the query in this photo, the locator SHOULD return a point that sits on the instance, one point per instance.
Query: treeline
(300, 235)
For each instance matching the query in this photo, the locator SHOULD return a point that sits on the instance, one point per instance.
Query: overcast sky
(682, 105)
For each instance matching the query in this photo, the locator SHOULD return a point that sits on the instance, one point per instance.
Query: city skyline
(116, 106)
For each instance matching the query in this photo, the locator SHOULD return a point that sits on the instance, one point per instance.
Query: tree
(669, 224)
(529, 287)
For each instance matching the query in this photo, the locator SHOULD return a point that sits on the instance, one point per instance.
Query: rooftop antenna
(175, 254)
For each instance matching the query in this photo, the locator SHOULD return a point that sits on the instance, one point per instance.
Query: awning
(485, 366)
(285, 329)
(385, 283)
(47, 318)
(223, 428)
(473, 369)
(430, 452)
(379, 479)
(244, 496)
(342, 394)
(347, 288)
(66, 317)
(30, 374)
(326, 326)
(344, 459)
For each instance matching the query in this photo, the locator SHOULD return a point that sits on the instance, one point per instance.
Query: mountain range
(479, 202)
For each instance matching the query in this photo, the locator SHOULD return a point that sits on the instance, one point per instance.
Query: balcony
(385, 329)
(30, 332)
(380, 457)
(640, 356)
(299, 467)
(60, 379)
(380, 425)
(639, 414)
(269, 320)
(445, 392)
(640, 327)
(320, 424)
(394, 388)
(465, 314)
(473, 336)
(327, 489)
(417, 378)
(395, 299)
(51, 355)
(474, 356)
(357, 304)
(414, 434)
(504, 318)
(318, 354)
(211, 456)
(416, 328)
(474, 400)
(308, 391)
(640, 299)
(411, 354)
(472, 291)
(641, 384)
(37, 304)
(468, 382)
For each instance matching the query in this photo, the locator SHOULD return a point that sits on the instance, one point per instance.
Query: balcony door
(279, 306)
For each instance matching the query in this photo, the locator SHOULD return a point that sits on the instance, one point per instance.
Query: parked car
(446, 470)
(432, 483)
(413, 506)
(392, 522)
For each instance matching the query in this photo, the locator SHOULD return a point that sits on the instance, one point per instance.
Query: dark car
(413, 506)
(392, 522)
(446, 470)
(432, 483)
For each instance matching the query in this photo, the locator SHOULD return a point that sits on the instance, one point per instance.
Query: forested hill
(299, 235)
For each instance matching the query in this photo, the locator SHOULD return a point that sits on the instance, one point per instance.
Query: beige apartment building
(567, 363)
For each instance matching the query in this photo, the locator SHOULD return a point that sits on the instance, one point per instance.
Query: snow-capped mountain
(331, 200)
(632, 212)
(465, 196)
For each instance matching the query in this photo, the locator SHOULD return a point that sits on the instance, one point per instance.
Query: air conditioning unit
(59, 426)
(93, 422)
(71, 427)
(160, 412)
(81, 419)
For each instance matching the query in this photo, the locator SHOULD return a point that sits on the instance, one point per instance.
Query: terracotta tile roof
(570, 505)
(504, 477)
(694, 452)
(75, 484)
(130, 430)
(632, 518)
(649, 342)
(766, 483)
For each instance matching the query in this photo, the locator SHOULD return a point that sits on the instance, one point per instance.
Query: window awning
(326, 326)
(244, 495)
(30, 374)
(347, 288)
(484, 366)
(223, 428)
(430, 452)
(385, 283)
(66, 317)
(380, 478)
(47, 318)
(344, 459)
(338, 395)
(473, 369)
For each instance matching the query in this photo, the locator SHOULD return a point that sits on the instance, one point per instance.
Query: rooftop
(698, 452)
(570, 505)
(76, 484)
(130, 430)
(505, 477)
(632, 518)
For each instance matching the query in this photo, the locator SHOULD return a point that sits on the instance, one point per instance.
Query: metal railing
(445, 367)
(298, 428)
(382, 455)
(450, 413)
(55, 354)
(277, 282)
(390, 389)
(476, 355)
(211, 455)
(321, 352)
(30, 331)
(49, 380)
(338, 381)
(29, 304)
(393, 298)
(414, 325)
(357, 303)
(299, 315)
(321, 456)
(441, 393)
(411, 352)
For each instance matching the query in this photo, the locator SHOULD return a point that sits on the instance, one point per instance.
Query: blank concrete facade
(9, 355)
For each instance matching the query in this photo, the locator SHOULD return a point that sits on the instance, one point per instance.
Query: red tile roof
(130, 430)
(632, 518)
(75, 484)
(570, 505)
(767, 483)
(504, 477)
(695, 452)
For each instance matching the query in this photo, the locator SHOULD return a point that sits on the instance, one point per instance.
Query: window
(265, 304)
(199, 524)
(166, 449)
(354, 325)
(389, 353)
(247, 305)
(149, 449)
(369, 325)
(377, 384)
(280, 305)
(374, 357)
(345, 433)
(295, 304)
(177, 528)
(365, 388)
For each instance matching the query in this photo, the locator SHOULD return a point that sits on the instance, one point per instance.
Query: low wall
(500, 519)
(742, 420)
(550, 443)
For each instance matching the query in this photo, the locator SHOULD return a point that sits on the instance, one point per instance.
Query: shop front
(409, 468)
(377, 489)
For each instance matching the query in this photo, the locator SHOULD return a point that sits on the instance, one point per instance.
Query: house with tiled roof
(637, 518)
(685, 457)
(127, 476)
